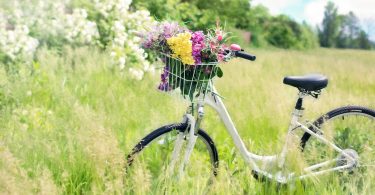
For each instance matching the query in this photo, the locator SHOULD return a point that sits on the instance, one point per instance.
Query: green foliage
(258, 17)
(330, 25)
(198, 14)
(278, 31)
(282, 32)
(286, 33)
(349, 31)
(342, 31)
(308, 38)
(364, 41)
(160, 9)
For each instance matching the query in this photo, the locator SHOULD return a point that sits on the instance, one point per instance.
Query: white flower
(118, 27)
(122, 62)
(17, 44)
(78, 29)
(136, 73)
(56, 20)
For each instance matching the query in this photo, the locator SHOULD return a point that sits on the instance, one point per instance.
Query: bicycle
(348, 150)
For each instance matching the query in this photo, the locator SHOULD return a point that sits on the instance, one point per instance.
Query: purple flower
(155, 38)
(197, 36)
(149, 39)
(147, 43)
(197, 39)
(164, 85)
(170, 29)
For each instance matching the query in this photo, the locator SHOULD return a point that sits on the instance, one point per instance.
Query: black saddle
(310, 82)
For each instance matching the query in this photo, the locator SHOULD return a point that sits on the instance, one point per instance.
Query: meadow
(67, 123)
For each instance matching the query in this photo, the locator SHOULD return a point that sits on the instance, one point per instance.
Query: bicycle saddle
(309, 82)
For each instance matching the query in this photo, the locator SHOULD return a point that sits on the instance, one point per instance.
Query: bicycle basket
(192, 80)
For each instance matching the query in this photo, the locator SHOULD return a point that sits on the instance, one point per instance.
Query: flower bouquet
(190, 58)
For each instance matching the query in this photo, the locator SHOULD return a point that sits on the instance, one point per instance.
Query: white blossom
(79, 29)
(136, 73)
(57, 20)
(17, 44)
(122, 62)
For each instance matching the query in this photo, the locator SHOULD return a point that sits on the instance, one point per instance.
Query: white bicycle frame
(213, 100)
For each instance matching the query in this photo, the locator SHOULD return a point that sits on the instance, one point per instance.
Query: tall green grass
(66, 126)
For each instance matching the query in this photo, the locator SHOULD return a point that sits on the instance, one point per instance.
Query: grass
(67, 126)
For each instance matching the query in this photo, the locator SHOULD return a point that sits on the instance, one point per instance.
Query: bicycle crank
(344, 160)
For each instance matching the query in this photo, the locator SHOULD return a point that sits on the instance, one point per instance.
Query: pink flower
(220, 37)
(220, 57)
(212, 46)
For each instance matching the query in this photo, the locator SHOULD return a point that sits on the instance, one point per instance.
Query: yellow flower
(182, 47)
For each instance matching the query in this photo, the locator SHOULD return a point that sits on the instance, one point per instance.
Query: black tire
(352, 129)
(355, 110)
(181, 127)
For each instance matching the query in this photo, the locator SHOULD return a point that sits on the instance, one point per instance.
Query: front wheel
(151, 157)
(352, 129)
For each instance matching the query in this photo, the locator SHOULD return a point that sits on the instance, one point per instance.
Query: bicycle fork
(192, 133)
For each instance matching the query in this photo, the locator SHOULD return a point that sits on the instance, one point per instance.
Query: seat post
(298, 112)
(299, 102)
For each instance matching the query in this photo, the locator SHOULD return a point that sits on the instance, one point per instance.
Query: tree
(286, 33)
(363, 40)
(259, 17)
(308, 38)
(330, 26)
(279, 31)
(342, 31)
(349, 31)
(199, 14)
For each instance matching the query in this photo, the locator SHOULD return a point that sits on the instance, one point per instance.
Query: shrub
(108, 24)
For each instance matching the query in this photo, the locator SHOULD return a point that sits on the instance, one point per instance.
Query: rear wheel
(352, 129)
(151, 157)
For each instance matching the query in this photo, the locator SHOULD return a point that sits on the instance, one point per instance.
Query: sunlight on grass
(66, 127)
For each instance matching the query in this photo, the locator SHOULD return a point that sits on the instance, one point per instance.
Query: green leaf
(219, 72)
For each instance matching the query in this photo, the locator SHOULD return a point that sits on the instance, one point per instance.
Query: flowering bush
(17, 45)
(190, 57)
(79, 30)
(116, 26)
(108, 24)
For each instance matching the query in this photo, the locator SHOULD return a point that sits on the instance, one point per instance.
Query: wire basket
(192, 81)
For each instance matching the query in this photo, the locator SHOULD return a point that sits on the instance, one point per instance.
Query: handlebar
(241, 54)
(244, 55)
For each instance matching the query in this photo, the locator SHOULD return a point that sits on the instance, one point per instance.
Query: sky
(312, 11)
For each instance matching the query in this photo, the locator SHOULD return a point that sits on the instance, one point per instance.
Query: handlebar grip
(244, 55)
